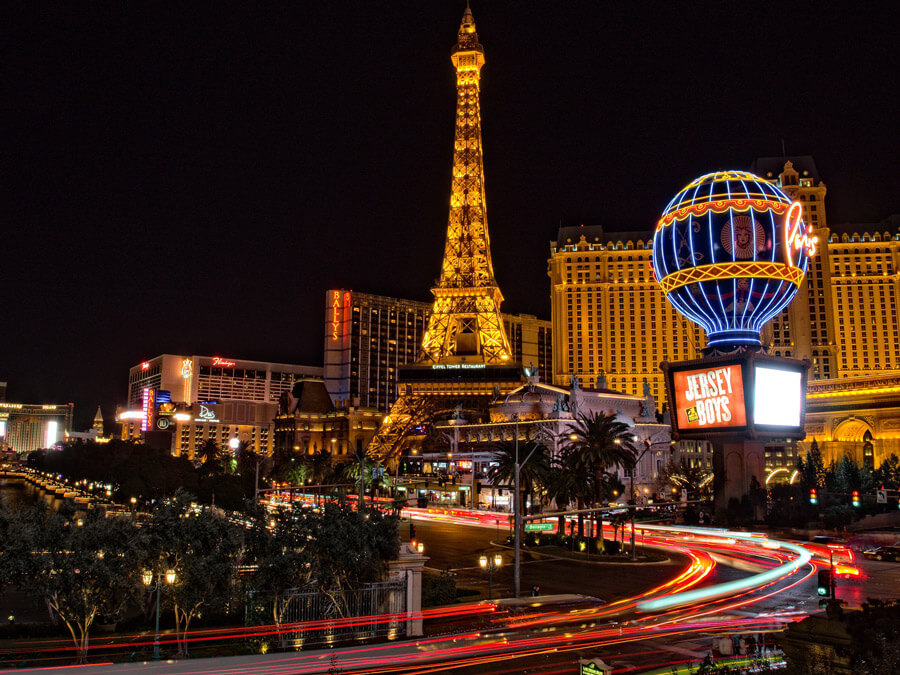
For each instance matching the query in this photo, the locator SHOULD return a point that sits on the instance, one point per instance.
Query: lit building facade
(805, 329)
(543, 413)
(854, 416)
(26, 427)
(201, 378)
(844, 320)
(609, 315)
(369, 337)
(180, 402)
(308, 422)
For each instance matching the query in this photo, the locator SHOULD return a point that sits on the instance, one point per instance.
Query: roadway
(455, 547)
(552, 635)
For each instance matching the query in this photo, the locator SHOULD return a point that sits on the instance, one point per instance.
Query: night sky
(192, 178)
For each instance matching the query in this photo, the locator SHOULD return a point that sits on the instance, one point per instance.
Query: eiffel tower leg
(408, 412)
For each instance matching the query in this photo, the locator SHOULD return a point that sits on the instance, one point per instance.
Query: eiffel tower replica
(465, 360)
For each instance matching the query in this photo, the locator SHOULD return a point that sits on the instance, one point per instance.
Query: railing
(377, 610)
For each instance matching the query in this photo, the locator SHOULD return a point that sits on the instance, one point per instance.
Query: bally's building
(369, 337)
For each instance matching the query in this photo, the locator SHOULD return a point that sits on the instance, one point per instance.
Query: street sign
(538, 527)
(881, 496)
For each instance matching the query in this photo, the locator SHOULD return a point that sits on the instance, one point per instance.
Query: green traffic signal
(823, 585)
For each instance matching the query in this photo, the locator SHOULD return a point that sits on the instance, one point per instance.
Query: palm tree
(596, 444)
(322, 470)
(686, 477)
(570, 484)
(536, 472)
(211, 454)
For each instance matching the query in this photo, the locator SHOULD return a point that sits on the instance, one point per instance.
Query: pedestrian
(412, 531)
(535, 591)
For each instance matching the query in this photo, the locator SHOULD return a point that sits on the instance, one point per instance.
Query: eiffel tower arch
(465, 357)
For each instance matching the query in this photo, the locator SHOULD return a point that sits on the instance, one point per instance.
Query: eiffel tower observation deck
(465, 360)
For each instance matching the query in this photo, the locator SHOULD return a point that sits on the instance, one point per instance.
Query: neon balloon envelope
(730, 251)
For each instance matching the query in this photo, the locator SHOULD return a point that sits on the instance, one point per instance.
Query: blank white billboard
(776, 397)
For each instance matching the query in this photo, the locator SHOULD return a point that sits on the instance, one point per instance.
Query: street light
(647, 445)
(517, 517)
(491, 564)
(147, 577)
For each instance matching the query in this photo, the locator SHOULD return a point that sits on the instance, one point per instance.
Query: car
(883, 553)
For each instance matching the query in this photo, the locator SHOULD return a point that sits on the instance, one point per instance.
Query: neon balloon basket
(729, 252)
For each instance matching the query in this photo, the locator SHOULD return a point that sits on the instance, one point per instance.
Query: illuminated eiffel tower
(465, 357)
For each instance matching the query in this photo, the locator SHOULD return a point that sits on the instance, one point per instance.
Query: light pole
(517, 516)
(147, 577)
(491, 564)
(360, 455)
(647, 445)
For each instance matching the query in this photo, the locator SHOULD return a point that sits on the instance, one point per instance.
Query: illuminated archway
(852, 430)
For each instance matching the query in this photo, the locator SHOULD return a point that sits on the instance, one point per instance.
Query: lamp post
(517, 516)
(147, 577)
(360, 455)
(491, 564)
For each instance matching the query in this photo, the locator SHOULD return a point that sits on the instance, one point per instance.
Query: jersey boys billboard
(753, 395)
(710, 398)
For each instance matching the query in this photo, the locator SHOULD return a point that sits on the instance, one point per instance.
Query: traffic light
(823, 585)
(855, 498)
(813, 498)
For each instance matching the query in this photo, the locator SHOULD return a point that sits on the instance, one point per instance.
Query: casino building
(27, 427)
(855, 416)
(609, 315)
(179, 402)
(368, 337)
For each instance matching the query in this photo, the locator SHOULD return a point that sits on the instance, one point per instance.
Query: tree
(535, 472)
(278, 544)
(683, 476)
(349, 548)
(814, 468)
(212, 457)
(248, 467)
(888, 474)
(82, 569)
(321, 467)
(597, 443)
(133, 469)
(569, 483)
(564, 487)
(846, 476)
(203, 548)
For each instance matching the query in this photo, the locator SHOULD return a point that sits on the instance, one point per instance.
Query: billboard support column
(735, 463)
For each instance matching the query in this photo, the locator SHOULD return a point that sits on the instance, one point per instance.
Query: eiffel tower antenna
(465, 319)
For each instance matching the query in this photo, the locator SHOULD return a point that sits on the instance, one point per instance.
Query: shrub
(437, 589)
(611, 547)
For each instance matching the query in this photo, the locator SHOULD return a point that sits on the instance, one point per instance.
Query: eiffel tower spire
(465, 323)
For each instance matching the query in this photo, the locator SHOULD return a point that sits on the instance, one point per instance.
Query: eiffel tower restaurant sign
(730, 252)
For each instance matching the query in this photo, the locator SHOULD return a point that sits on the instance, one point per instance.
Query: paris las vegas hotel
(610, 316)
